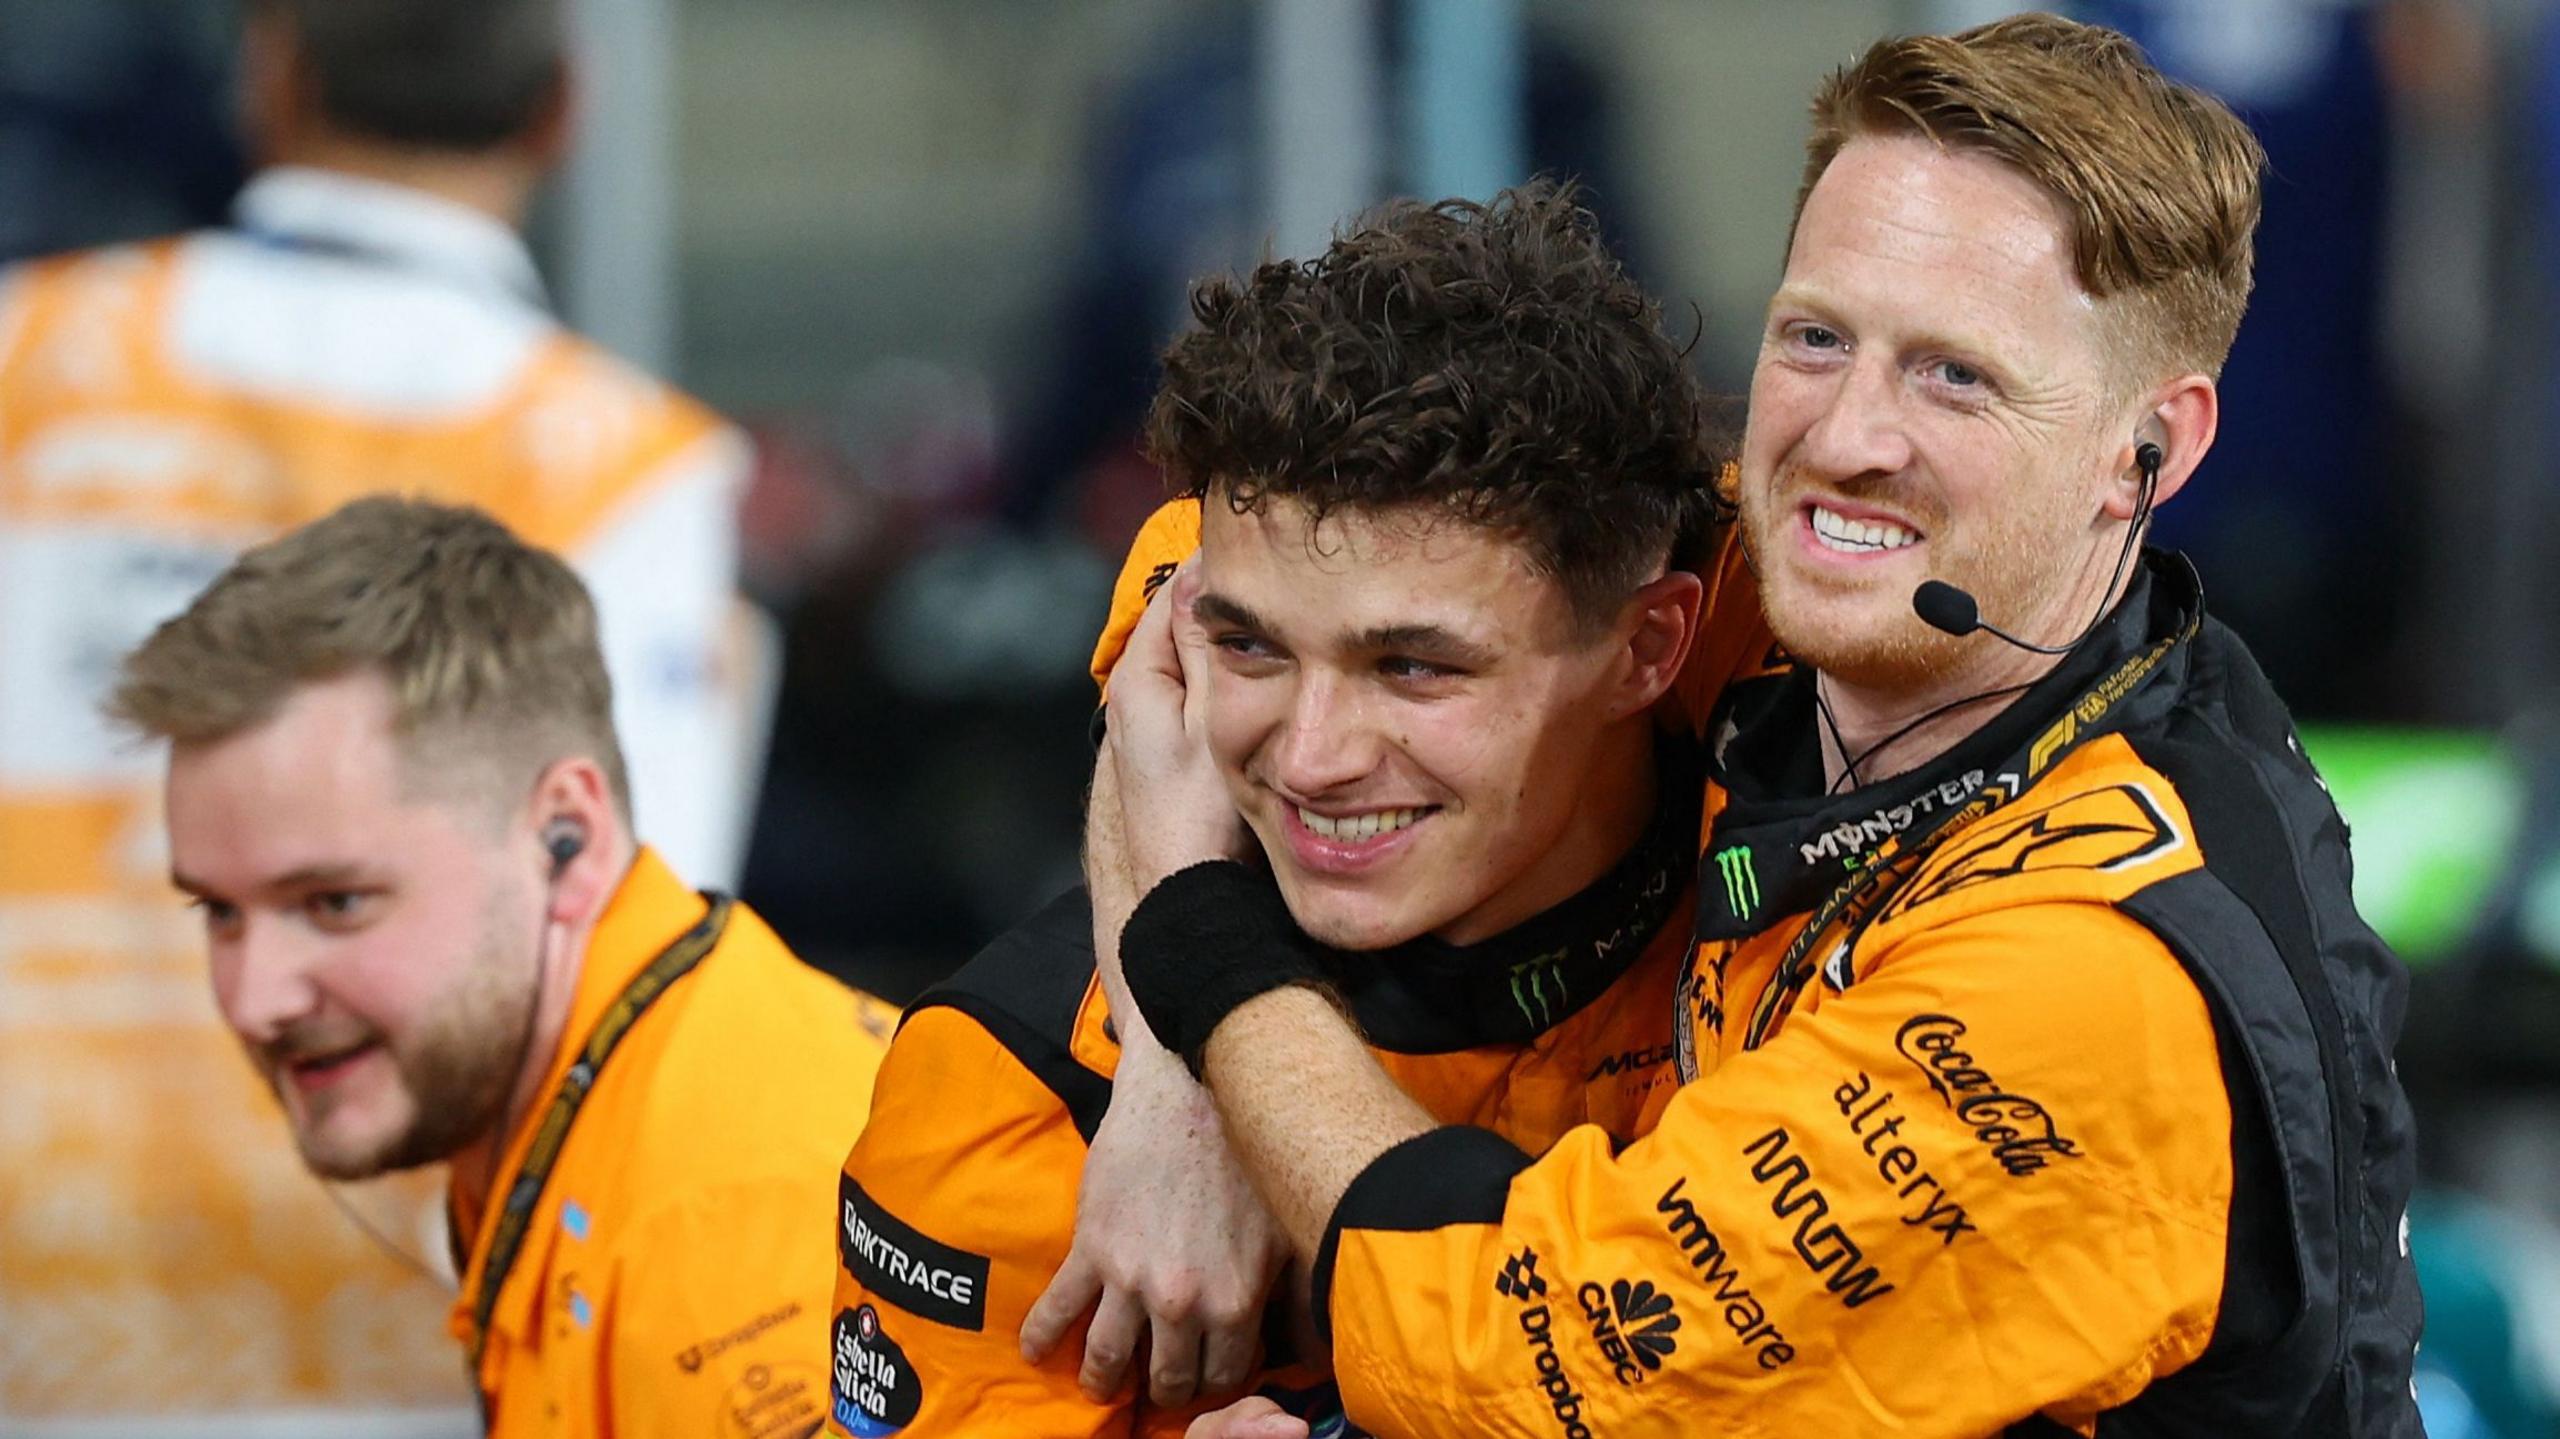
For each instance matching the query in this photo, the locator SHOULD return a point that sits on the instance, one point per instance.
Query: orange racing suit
(2046, 1088)
(959, 1201)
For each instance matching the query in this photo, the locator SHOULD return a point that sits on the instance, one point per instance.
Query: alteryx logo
(1741, 882)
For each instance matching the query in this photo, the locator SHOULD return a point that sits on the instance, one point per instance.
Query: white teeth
(1359, 826)
(1839, 532)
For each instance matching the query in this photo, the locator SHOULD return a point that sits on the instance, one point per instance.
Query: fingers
(1226, 1355)
(1151, 648)
(1173, 1355)
(1060, 1305)
(1255, 1418)
(1110, 1344)
(1191, 652)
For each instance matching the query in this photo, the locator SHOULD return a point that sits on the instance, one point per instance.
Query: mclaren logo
(2107, 830)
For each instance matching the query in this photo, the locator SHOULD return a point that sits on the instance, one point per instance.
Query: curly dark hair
(1493, 361)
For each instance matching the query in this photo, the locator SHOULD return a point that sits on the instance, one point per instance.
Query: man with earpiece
(395, 793)
(2038, 1067)
(372, 320)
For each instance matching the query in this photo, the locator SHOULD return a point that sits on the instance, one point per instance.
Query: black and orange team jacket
(653, 1264)
(2045, 1089)
(958, 1202)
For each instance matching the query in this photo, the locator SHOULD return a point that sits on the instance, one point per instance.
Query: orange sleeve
(1990, 1180)
(1169, 537)
(956, 1207)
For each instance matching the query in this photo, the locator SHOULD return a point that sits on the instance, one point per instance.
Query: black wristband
(1202, 942)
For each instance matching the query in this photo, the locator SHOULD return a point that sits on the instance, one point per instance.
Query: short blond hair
(2159, 181)
(488, 644)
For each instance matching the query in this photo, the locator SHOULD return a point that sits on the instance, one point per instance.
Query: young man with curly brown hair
(1450, 474)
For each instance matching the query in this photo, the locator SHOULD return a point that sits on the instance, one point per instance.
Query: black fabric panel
(2276, 1083)
(1025, 989)
(1456, 1174)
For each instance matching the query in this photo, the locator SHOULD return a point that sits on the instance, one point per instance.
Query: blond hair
(488, 644)
(2159, 182)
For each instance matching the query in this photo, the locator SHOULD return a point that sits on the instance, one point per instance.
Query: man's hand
(1255, 1418)
(1171, 1236)
(1174, 807)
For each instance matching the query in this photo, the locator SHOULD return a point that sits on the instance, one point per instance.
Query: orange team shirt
(162, 1250)
(671, 1279)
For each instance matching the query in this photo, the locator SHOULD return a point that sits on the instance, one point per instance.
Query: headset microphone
(1942, 606)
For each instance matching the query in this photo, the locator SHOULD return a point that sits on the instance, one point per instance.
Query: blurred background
(924, 251)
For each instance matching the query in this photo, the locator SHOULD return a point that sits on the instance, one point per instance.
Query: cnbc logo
(1741, 882)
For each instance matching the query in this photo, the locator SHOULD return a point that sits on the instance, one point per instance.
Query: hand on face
(1175, 810)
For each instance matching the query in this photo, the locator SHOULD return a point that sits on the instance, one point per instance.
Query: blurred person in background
(395, 795)
(372, 321)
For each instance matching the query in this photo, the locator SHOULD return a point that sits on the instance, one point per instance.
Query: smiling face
(1410, 720)
(373, 949)
(1933, 400)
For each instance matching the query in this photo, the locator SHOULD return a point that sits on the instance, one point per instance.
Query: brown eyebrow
(1425, 639)
(1436, 641)
(1218, 609)
(309, 876)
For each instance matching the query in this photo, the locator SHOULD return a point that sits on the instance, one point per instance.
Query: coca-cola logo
(2019, 1130)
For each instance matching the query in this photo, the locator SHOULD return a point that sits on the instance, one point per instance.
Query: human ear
(2181, 419)
(1656, 628)
(574, 830)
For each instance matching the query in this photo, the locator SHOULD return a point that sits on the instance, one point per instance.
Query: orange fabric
(1169, 537)
(1990, 1178)
(670, 1282)
(566, 443)
(970, 1148)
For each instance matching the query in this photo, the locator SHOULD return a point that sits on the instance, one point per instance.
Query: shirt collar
(297, 206)
(1784, 840)
(650, 910)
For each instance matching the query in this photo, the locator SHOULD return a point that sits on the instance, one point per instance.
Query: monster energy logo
(1537, 986)
(1741, 884)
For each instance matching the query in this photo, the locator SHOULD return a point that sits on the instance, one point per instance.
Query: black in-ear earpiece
(2148, 458)
(564, 840)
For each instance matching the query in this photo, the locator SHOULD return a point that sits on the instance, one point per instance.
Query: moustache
(1915, 500)
(314, 1040)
